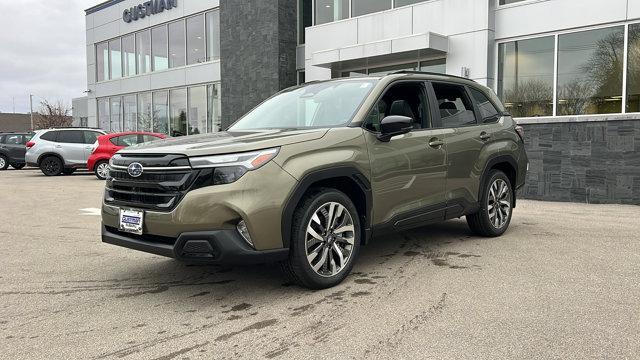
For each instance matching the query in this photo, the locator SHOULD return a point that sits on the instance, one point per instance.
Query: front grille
(160, 188)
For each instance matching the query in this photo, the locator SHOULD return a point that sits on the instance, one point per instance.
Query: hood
(225, 142)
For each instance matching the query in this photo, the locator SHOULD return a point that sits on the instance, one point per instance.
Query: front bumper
(207, 247)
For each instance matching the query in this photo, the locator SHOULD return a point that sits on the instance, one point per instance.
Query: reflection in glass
(304, 18)
(213, 108)
(103, 114)
(102, 61)
(143, 51)
(633, 69)
(115, 59)
(331, 10)
(525, 76)
(438, 66)
(130, 109)
(195, 40)
(129, 55)
(590, 72)
(197, 109)
(144, 115)
(398, 3)
(176, 44)
(178, 109)
(354, 73)
(115, 104)
(213, 35)
(159, 48)
(362, 7)
(161, 112)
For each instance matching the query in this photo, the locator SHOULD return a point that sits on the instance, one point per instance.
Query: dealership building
(567, 70)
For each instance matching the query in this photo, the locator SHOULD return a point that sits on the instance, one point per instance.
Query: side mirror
(394, 125)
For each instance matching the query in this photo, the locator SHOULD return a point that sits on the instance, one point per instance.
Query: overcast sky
(42, 51)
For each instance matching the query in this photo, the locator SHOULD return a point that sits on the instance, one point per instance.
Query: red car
(107, 145)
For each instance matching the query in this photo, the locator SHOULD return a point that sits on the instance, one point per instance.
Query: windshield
(325, 104)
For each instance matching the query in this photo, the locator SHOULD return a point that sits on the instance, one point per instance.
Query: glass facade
(363, 7)
(178, 112)
(177, 44)
(436, 66)
(525, 76)
(398, 3)
(305, 17)
(331, 10)
(184, 42)
(633, 69)
(196, 52)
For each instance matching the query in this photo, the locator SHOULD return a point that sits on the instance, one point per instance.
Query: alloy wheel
(103, 170)
(52, 166)
(3, 162)
(499, 203)
(330, 239)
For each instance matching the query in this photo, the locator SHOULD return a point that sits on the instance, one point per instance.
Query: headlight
(225, 169)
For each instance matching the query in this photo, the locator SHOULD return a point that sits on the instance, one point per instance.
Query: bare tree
(53, 115)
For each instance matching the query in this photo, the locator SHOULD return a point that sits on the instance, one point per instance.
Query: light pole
(31, 109)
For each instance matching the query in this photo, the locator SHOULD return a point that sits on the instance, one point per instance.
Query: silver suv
(61, 151)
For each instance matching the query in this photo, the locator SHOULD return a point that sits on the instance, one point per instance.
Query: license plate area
(131, 221)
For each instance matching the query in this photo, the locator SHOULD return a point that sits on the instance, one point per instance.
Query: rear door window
(71, 137)
(13, 139)
(147, 138)
(125, 140)
(50, 136)
(488, 112)
(455, 107)
(91, 137)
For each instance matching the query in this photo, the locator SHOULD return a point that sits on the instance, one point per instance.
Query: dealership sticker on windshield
(131, 221)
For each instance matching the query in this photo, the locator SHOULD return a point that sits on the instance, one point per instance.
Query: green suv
(313, 173)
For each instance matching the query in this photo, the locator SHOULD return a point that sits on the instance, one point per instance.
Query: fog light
(244, 232)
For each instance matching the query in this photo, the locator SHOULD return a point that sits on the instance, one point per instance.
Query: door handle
(484, 136)
(435, 142)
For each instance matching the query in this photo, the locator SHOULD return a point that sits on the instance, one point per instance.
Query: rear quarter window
(50, 136)
(488, 111)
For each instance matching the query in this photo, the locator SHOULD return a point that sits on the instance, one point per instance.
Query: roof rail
(71, 127)
(427, 73)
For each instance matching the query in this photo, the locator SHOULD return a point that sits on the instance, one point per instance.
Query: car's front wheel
(496, 206)
(101, 169)
(51, 166)
(4, 162)
(325, 240)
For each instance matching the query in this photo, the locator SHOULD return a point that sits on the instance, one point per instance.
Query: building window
(176, 44)
(398, 3)
(197, 100)
(102, 61)
(145, 115)
(213, 35)
(506, 2)
(363, 7)
(383, 70)
(143, 51)
(213, 108)
(525, 76)
(195, 40)
(130, 112)
(159, 48)
(590, 72)
(161, 112)
(84, 121)
(438, 66)
(331, 10)
(301, 77)
(129, 55)
(305, 18)
(115, 106)
(115, 59)
(633, 69)
(103, 114)
(178, 111)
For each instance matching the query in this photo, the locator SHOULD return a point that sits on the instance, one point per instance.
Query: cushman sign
(148, 8)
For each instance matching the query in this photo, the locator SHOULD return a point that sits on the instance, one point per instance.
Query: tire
(493, 223)
(18, 166)
(99, 169)
(68, 171)
(312, 215)
(4, 162)
(51, 166)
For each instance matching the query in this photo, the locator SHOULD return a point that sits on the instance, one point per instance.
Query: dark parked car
(12, 149)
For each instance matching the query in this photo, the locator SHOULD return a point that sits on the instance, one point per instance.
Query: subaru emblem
(135, 169)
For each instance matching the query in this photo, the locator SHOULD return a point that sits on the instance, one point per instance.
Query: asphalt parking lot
(563, 282)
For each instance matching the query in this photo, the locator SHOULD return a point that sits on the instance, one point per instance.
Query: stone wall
(592, 162)
(257, 52)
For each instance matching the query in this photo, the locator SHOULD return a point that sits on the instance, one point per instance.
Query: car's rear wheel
(496, 205)
(101, 169)
(18, 166)
(4, 162)
(51, 166)
(325, 240)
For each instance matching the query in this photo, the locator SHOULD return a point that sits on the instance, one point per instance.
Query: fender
(42, 156)
(326, 174)
(490, 163)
